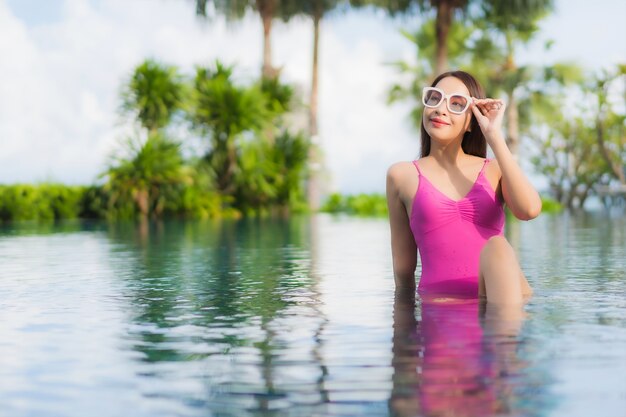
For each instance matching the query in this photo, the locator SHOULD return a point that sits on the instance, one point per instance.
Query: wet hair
(474, 142)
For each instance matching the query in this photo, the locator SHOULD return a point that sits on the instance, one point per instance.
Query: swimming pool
(299, 318)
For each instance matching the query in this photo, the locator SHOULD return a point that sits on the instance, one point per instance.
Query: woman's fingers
(477, 112)
(487, 105)
(488, 101)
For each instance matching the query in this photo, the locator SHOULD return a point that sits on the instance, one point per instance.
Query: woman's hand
(519, 194)
(489, 113)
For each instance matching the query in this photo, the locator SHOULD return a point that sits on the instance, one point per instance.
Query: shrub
(40, 202)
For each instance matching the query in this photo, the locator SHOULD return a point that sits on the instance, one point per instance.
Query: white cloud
(361, 136)
(59, 90)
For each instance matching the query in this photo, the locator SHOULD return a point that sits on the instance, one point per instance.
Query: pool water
(299, 317)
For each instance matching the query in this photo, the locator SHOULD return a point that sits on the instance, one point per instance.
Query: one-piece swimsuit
(450, 234)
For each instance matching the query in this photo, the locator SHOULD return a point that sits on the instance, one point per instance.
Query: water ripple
(298, 318)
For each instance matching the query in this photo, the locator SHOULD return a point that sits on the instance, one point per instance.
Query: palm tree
(153, 95)
(485, 46)
(465, 51)
(267, 9)
(444, 18)
(144, 180)
(517, 22)
(316, 10)
(285, 9)
(224, 111)
(445, 14)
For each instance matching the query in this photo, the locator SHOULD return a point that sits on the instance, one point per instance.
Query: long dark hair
(474, 142)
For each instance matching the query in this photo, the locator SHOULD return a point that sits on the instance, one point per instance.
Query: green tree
(147, 179)
(462, 48)
(291, 153)
(610, 126)
(568, 157)
(142, 179)
(485, 46)
(581, 144)
(285, 9)
(153, 95)
(272, 174)
(225, 113)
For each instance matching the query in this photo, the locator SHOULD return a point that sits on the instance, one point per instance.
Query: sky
(63, 63)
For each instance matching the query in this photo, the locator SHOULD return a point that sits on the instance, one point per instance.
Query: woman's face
(442, 125)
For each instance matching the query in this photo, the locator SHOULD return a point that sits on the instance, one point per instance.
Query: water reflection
(237, 300)
(294, 318)
(454, 357)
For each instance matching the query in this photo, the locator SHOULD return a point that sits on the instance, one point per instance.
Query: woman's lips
(438, 122)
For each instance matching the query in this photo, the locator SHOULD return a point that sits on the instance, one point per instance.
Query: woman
(448, 204)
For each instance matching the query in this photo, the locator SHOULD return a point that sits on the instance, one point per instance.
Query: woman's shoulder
(400, 169)
(492, 173)
(476, 160)
(492, 165)
(402, 179)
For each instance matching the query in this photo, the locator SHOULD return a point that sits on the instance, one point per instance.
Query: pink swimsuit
(450, 235)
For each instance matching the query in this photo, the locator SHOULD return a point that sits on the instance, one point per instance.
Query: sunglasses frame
(446, 98)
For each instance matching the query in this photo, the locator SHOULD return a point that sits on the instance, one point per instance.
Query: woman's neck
(450, 155)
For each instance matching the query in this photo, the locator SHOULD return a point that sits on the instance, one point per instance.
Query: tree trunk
(583, 195)
(313, 183)
(557, 191)
(266, 10)
(569, 203)
(142, 199)
(229, 187)
(317, 17)
(615, 169)
(512, 125)
(223, 161)
(442, 27)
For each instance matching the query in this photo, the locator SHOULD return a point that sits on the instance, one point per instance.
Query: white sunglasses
(456, 103)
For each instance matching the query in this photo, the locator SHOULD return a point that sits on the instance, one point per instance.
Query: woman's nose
(443, 105)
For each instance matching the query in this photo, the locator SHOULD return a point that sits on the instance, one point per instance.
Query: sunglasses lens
(457, 104)
(432, 98)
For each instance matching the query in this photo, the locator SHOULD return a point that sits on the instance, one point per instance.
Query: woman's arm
(519, 194)
(403, 248)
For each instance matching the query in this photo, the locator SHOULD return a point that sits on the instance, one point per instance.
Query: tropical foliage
(359, 204)
(582, 148)
(147, 180)
(251, 163)
(268, 10)
(484, 44)
(272, 174)
(40, 202)
(224, 112)
(153, 95)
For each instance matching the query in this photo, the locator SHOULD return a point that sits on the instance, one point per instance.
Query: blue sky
(65, 60)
